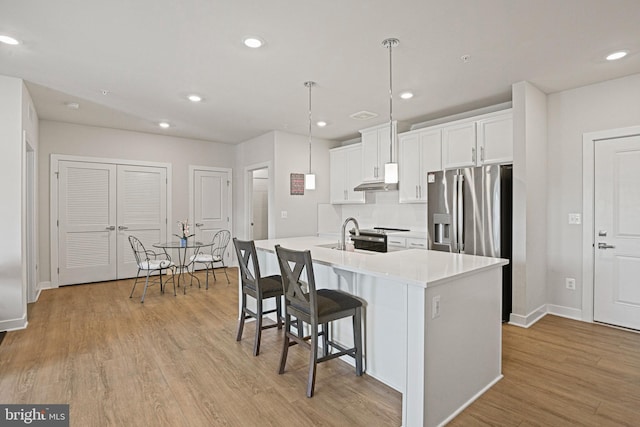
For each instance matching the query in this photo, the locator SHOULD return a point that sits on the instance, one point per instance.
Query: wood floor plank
(174, 361)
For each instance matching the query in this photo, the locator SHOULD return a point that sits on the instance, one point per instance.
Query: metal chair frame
(217, 249)
(147, 260)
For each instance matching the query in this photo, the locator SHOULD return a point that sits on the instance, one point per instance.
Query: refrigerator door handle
(460, 213)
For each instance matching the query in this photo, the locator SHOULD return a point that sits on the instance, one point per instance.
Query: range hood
(376, 186)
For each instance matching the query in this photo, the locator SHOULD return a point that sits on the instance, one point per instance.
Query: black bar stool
(315, 307)
(260, 288)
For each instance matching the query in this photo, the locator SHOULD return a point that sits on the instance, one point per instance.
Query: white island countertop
(417, 267)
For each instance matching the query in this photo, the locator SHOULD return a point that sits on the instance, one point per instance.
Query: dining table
(183, 248)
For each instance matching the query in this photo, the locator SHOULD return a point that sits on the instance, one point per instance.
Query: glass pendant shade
(310, 181)
(390, 173)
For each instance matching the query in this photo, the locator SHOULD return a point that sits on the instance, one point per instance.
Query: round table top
(177, 244)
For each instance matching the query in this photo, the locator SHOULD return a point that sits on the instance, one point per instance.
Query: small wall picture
(297, 184)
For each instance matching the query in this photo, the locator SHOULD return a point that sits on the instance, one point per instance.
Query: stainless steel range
(374, 239)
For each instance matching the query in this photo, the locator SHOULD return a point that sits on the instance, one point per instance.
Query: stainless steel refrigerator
(469, 211)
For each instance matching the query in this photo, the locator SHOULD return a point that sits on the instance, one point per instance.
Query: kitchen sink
(337, 248)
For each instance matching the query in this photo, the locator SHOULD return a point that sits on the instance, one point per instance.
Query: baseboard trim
(14, 324)
(530, 319)
(562, 311)
(557, 310)
(470, 401)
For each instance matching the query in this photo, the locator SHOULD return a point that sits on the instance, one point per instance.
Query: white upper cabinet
(459, 145)
(346, 173)
(478, 141)
(495, 139)
(420, 152)
(376, 151)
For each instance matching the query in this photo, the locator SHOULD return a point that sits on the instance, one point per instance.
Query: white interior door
(617, 232)
(211, 206)
(142, 211)
(87, 222)
(260, 205)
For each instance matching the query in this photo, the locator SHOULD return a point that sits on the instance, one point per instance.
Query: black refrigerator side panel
(506, 237)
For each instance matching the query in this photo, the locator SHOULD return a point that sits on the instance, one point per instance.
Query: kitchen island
(432, 320)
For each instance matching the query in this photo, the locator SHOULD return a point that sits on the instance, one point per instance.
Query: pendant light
(391, 168)
(309, 178)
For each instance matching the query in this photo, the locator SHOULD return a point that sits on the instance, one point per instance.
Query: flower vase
(183, 242)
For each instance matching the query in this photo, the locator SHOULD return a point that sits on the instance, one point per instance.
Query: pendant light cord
(310, 85)
(390, 104)
(390, 43)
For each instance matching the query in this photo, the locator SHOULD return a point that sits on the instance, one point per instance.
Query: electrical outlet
(283, 214)
(435, 307)
(570, 283)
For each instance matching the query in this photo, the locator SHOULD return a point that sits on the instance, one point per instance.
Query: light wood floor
(173, 361)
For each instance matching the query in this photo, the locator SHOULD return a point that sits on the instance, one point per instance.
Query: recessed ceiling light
(72, 105)
(617, 55)
(253, 42)
(164, 125)
(321, 123)
(194, 98)
(406, 95)
(8, 40)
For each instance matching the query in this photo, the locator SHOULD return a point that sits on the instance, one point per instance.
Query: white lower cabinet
(396, 242)
(416, 243)
(346, 173)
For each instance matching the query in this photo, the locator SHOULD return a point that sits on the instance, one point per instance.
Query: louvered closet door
(142, 211)
(87, 212)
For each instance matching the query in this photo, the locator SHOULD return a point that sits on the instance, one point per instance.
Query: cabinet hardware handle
(473, 154)
(416, 191)
(482, 154)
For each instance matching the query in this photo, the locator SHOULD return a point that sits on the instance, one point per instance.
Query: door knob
(602, 245)
(122, 227)
(199, 224)
(111, 227)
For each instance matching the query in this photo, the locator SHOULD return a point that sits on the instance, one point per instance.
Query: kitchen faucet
(343, 243)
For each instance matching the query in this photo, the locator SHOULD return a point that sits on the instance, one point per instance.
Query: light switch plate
(575, 218)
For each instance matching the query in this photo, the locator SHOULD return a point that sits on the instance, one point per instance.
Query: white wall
(529, 260)
(259, 150)
(291, 154)
(79, 140)
(14, 100)
(606, 105)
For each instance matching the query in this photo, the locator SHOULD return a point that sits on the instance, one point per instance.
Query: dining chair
(148, 261)
(315, 307)
(213, 254)
(258, 287)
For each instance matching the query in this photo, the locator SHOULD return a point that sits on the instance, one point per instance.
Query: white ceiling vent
(363, 115)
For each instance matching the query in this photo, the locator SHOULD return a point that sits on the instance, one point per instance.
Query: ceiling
(148, 55)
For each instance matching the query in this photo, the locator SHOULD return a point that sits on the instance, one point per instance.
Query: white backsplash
(381, 210)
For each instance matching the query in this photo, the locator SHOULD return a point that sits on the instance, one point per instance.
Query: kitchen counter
(432, 320)
(417, 267)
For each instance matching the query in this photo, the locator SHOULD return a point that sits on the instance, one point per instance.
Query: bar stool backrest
(292, 266)
(246, 253)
